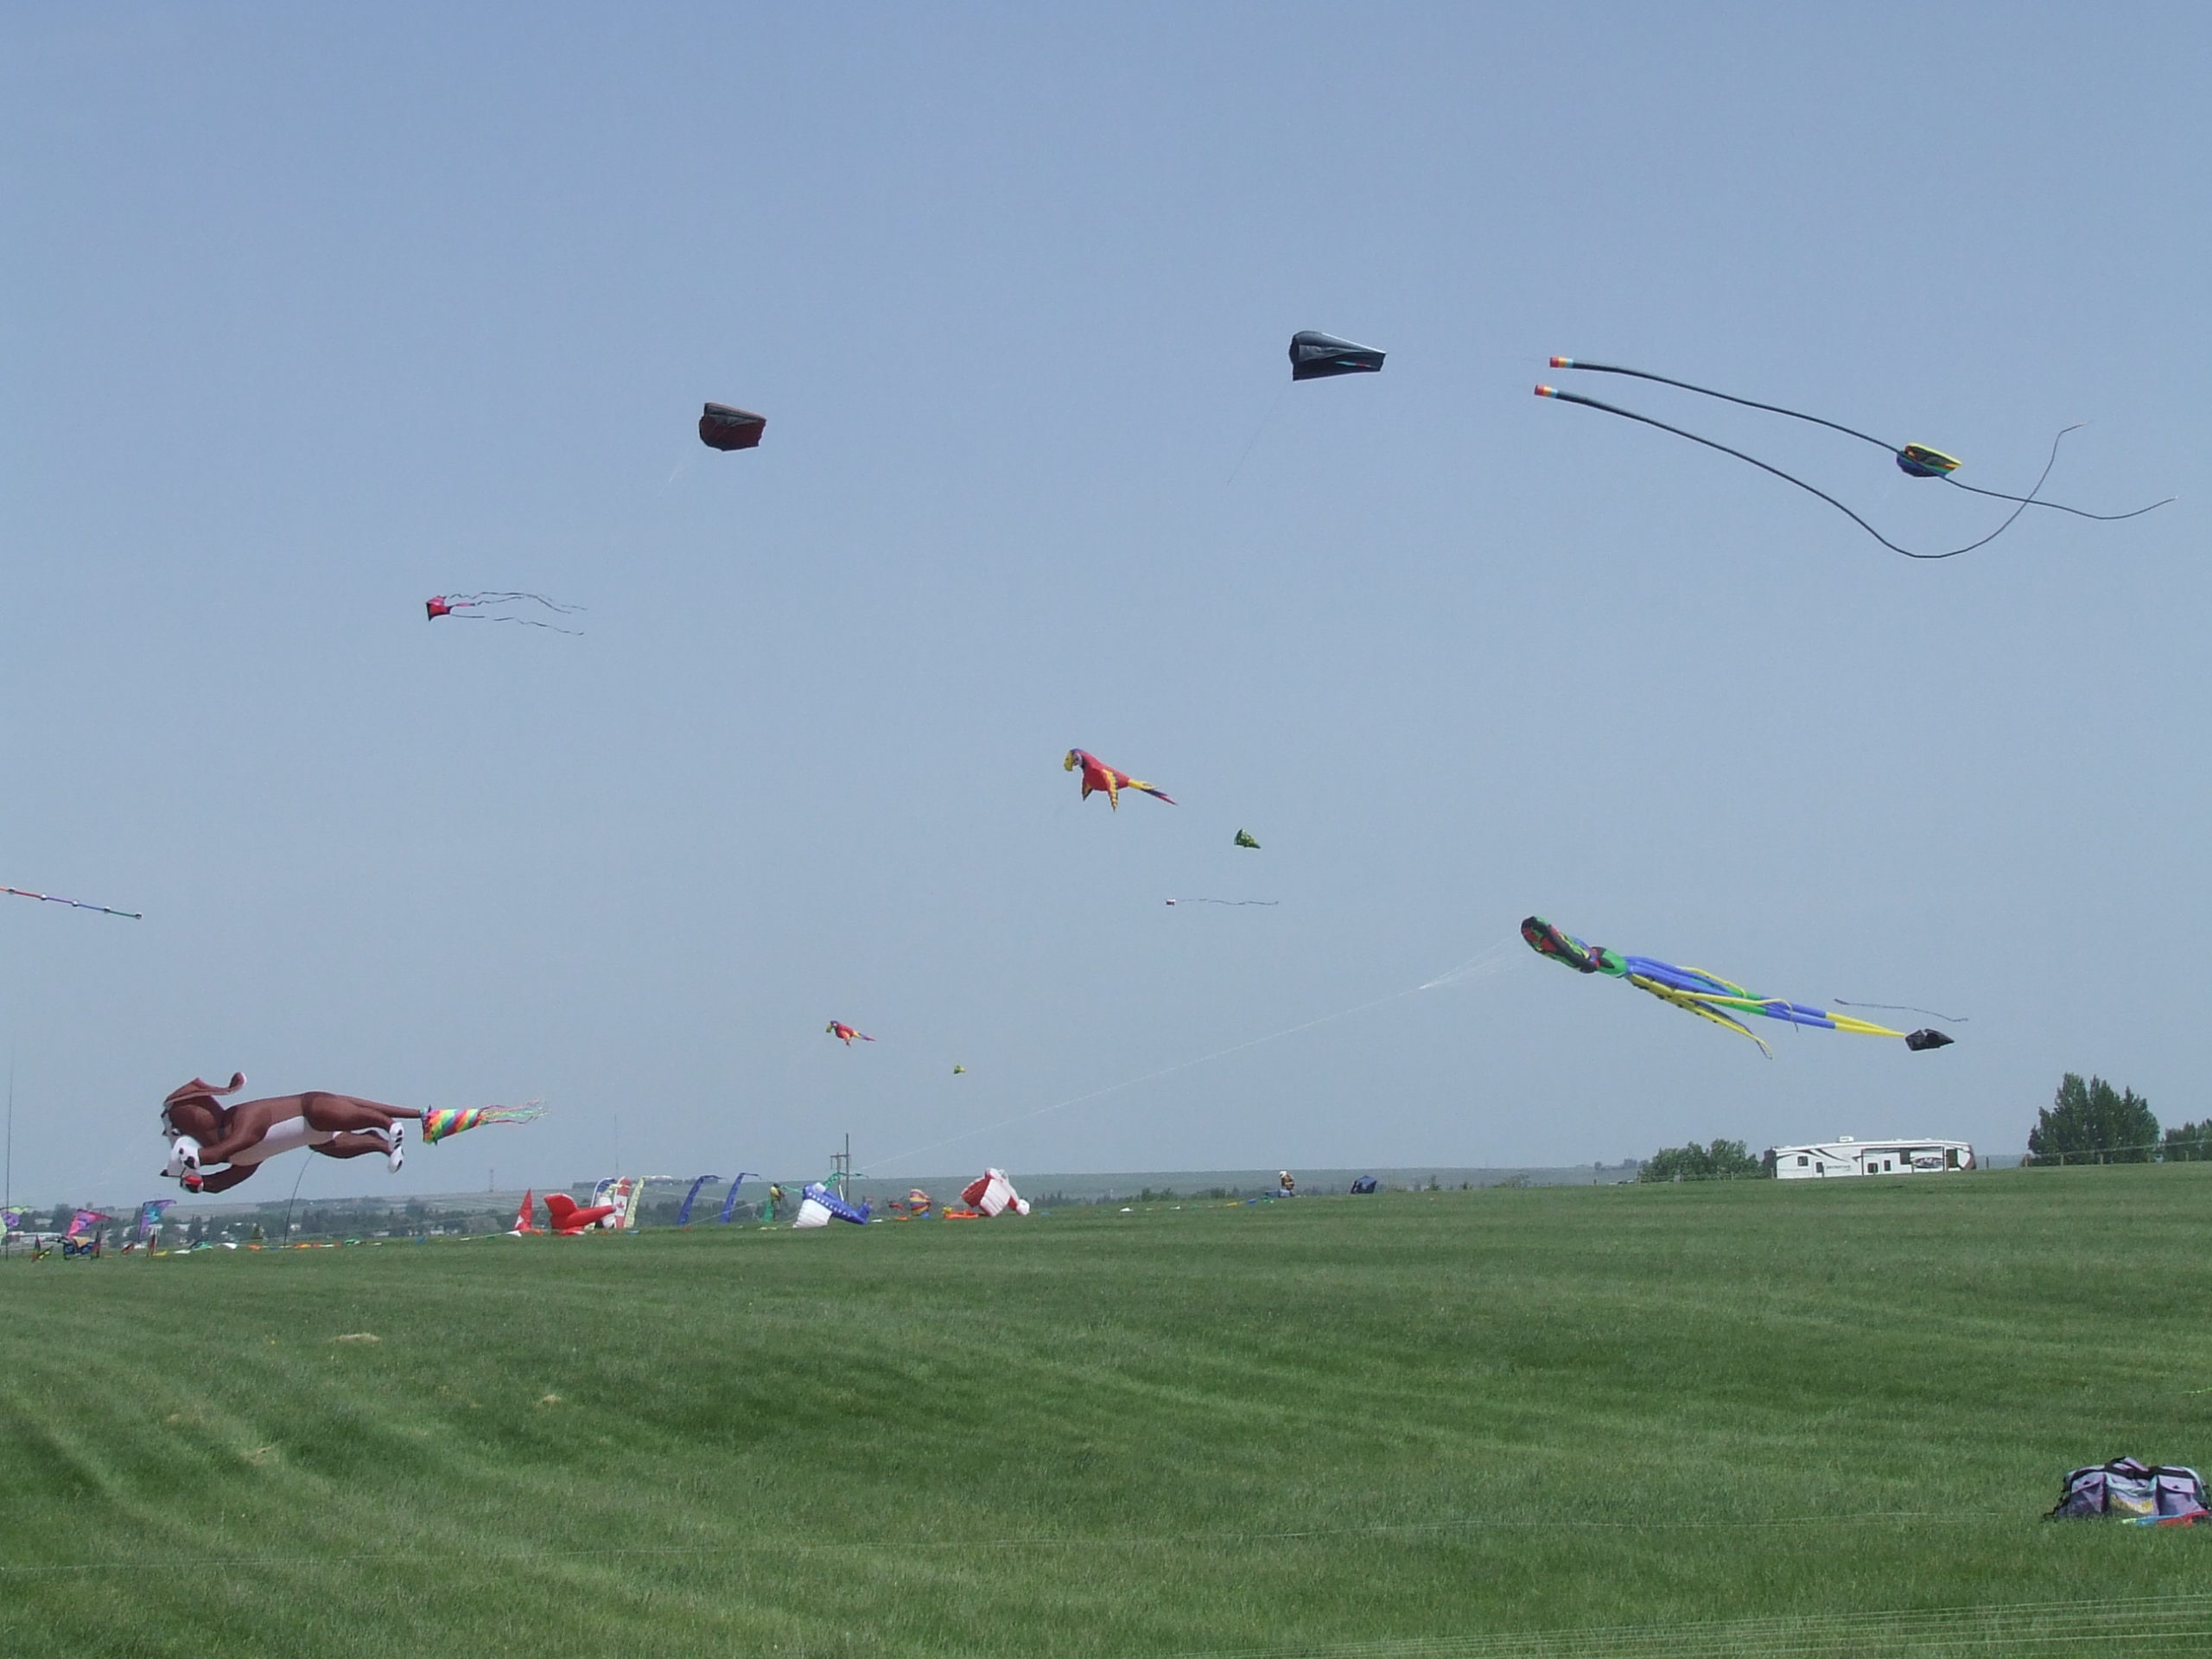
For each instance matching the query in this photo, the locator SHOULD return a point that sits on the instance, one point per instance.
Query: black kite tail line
(1787, 478)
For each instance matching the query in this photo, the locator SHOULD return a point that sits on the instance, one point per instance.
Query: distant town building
(1844, 1156)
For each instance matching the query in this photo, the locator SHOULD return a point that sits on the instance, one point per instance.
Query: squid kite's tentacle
(1684, 1001)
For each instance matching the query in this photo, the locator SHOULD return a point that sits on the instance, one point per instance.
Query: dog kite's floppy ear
(197, 1090)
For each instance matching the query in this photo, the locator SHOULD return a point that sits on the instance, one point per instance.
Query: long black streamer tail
(497, 598)
(1725, 396)
(2057, 506)
(1766, 466)
(1850, 432)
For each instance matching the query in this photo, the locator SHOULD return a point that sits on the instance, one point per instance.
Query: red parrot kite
(1097, 775)
(845, 1033)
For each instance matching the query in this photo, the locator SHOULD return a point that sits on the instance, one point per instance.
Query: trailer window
(1802, 1161)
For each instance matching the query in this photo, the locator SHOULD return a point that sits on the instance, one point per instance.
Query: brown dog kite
(202, 1131)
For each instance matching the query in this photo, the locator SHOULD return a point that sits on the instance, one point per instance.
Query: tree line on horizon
(2088, 1121)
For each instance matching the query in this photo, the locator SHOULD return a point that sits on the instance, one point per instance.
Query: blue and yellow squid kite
(1704, 994)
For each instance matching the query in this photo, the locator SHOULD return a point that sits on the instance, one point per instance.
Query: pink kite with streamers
(495, 607)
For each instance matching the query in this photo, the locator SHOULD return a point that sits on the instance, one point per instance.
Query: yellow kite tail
(1865, 1027)
(1692, 1004)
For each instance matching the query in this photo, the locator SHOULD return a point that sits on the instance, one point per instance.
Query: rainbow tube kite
(439, 1122)
(1704, 994)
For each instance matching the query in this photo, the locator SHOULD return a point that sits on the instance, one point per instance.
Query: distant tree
(2188, 1143)
(1723, 1161)
(2092, 1123)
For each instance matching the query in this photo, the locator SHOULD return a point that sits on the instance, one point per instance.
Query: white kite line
(1474, 968)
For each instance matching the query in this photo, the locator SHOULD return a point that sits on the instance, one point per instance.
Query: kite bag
(2125, 1489)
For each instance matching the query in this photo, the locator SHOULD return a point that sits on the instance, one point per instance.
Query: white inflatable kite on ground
(819, 1205)
(993, 1194)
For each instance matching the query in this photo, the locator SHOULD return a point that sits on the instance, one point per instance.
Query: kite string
(73, 903)
(1466, 970)
(1148, 1077)
(1266, 417)
(1905, 1008)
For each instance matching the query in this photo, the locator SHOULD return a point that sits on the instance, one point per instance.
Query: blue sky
(310, 316)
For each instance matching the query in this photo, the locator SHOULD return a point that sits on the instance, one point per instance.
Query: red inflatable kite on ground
(991, 1194)
(845, 1033)
(1097, 775)
(568, 1218)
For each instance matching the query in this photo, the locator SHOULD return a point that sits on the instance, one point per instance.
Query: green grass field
(1802, 1418)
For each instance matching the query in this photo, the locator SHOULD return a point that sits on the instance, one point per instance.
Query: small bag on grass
(2125, 1489)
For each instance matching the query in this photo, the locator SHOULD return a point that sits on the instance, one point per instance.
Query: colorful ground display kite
(845, 1033)
(202, 1131)
(1320, 357)
(1915, 459)
(73, 903)
(623, 1194)
(498, 608)
(1097, 775)
(1704, 994)
(723, 427)
(149, 1219)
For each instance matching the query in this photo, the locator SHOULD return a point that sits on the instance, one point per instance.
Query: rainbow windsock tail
(440, 1122)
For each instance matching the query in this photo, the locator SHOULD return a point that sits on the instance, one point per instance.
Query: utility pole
(843, 1163)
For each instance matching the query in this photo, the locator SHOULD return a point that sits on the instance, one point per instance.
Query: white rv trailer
(1844, 1156)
